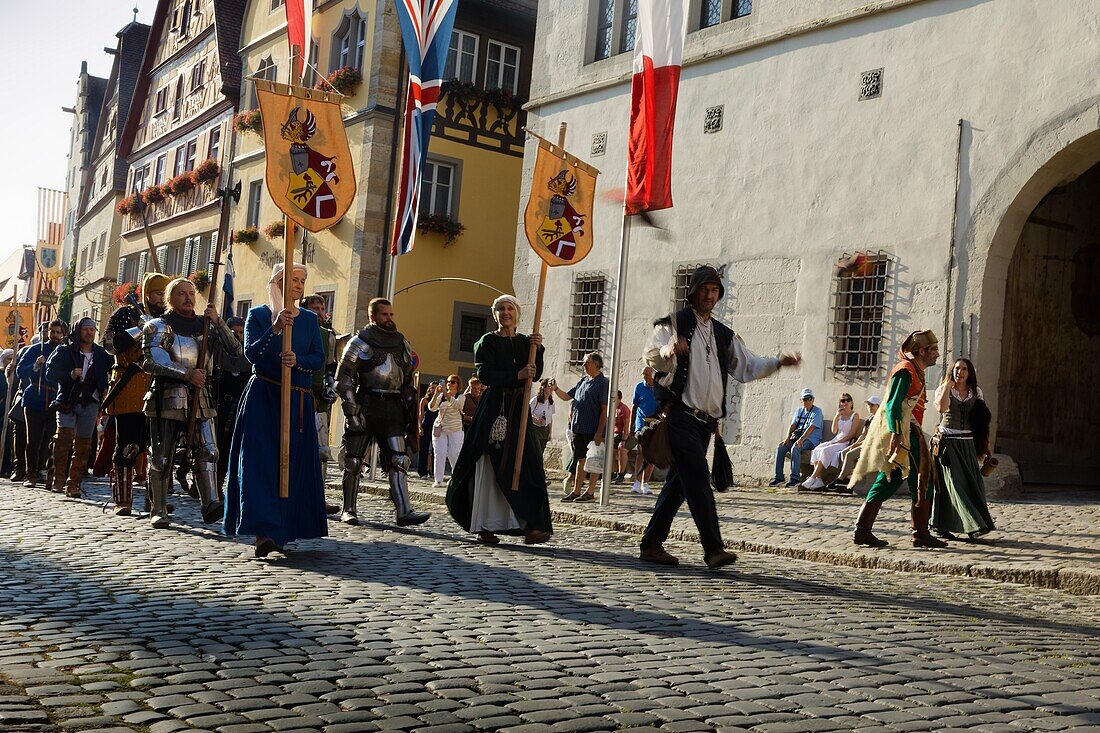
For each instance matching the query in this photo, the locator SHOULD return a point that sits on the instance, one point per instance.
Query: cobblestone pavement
(108, 624)
(1044, 540)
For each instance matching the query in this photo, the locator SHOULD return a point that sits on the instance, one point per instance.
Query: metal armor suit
(374, 382)
(170, 357)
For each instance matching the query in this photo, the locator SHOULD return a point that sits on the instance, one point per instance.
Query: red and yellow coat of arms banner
(309, 167)
(18, 328)
(558, 219)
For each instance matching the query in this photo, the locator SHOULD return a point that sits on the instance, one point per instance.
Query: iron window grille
(861, 289)
(470, 329)
(681, 279)
(586, 315)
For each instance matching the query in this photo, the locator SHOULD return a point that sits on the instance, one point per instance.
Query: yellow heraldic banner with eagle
(309, 167)
(558, 219)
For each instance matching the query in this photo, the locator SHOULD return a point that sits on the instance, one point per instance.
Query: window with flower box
(461, 57)
(502, 67)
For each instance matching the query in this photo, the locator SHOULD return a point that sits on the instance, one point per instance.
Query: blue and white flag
(426, 32)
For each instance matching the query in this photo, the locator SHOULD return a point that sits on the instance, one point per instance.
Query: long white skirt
(829, 453)
(490, 512)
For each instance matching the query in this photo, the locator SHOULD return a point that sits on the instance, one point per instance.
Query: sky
(46, 41)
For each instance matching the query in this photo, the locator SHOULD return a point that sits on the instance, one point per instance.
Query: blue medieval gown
(252, 503)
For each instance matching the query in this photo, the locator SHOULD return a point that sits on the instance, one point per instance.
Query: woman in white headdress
(480, 496)
(252, 503)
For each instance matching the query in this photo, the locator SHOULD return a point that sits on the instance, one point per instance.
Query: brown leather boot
(62, 450)
(866, 519)
(82, 452)
(921, 536)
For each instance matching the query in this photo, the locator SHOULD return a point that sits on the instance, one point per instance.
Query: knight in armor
(125, 399)
(253, 505)
(171, 356)
(374, 381)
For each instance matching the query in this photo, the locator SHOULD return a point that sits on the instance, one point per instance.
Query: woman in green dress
(480, 495)
(958, 504)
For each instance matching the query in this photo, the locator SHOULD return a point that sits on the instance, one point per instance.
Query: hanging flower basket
(344, 80)
(206, 172)
(120, 293)
(249, 122)
(441, 224)
(201, 279)
(127, 205)
(275, 230)
(181, 184)
(248, 235)
(152, 195)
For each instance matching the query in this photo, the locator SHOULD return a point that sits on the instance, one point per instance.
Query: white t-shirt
(542, 413)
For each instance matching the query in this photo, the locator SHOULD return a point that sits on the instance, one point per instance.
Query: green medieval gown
(498, 360)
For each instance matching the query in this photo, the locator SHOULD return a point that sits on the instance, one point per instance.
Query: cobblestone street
(107, 624)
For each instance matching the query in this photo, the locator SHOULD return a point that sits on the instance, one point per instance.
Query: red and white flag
(658, 50)
(299, 22)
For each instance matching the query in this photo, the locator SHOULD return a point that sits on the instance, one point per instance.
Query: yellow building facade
(472, 177)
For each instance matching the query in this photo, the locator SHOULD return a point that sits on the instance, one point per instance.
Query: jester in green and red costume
(894, 449)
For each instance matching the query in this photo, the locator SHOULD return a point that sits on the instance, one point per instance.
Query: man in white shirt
(692, 354)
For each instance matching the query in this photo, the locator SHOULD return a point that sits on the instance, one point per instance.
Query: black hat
(702, 276)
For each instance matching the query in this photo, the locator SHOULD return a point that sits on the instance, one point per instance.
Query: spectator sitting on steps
(805, 432)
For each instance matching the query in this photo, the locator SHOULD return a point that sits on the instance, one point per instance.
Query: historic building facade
(472, 178)
(175, 139)
(98, 224)
(858, 171)
(89, 101)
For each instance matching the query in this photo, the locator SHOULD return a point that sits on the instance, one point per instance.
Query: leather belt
(704, 417)
(384, 394)
(302, 392)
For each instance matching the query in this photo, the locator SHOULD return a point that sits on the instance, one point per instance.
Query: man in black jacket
(692, 354)
(79, 369)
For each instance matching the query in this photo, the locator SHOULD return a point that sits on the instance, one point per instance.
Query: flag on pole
(299, 21)
(227, 286)
(426, 33)
(658, 50)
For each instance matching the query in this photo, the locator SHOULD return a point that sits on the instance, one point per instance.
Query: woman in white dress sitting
(846, 426)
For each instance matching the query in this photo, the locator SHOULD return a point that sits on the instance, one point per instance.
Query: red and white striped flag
(658, 50)
(299, 21)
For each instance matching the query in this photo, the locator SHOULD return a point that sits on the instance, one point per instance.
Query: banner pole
(284, 378)
(536, 325)
(613, 371)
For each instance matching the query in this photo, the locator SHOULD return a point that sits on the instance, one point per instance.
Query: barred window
(605, 23)
(586, 315)
(860, 289)
(630, 25)
(681, 279)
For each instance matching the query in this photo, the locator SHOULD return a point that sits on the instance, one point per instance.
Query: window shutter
(185, 264)
(143, 263)
(212, 252)
(162, 258)
(121, 270)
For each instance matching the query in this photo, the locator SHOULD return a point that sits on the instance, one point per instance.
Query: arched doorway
(1050, 349)
(1038, 344)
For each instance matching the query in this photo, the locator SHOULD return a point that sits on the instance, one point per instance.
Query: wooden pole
(284, 380)
(154, 265)
(11, 383)
(535, 326)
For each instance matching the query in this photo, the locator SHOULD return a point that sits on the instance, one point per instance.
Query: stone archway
(1052, 160)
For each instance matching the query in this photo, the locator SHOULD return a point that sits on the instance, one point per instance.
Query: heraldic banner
(558, 219)
(309, 168)
(8, 337)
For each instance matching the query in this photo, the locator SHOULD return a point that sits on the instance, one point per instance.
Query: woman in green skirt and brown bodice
(959, 503)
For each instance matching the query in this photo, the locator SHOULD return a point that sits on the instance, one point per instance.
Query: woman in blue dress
(252, 503)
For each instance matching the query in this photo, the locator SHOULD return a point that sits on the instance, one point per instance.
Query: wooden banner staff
(284, 379)
(524, 409)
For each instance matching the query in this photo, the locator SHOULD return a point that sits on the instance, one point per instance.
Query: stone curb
(1077, 581)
